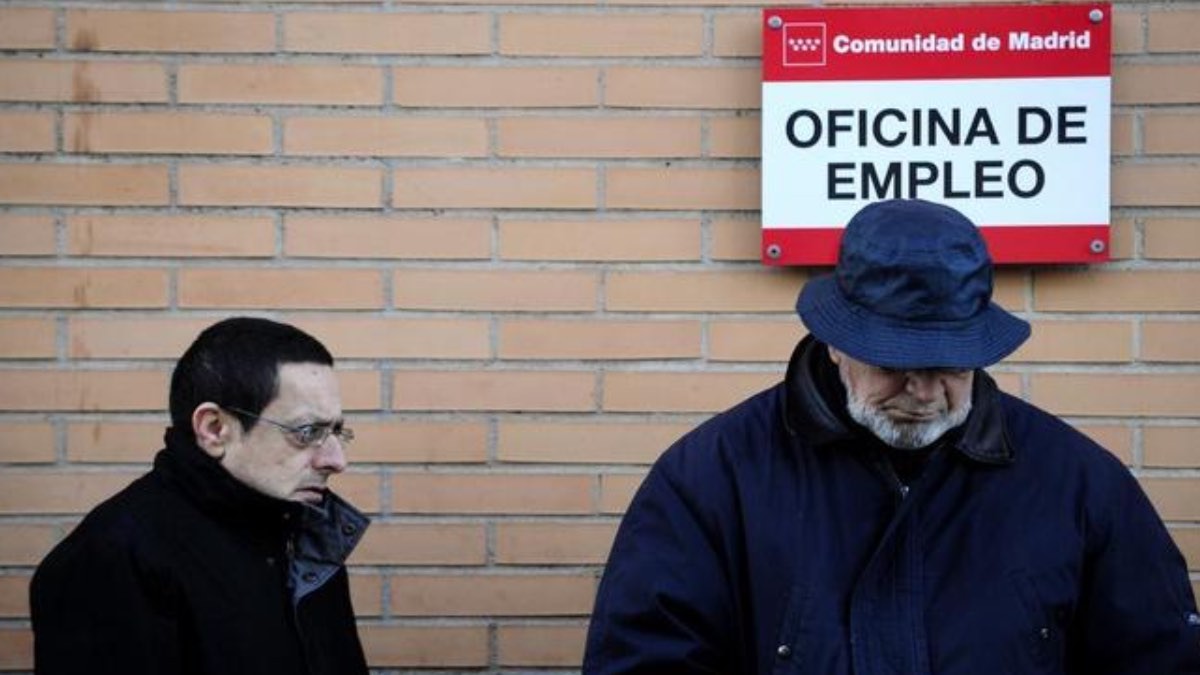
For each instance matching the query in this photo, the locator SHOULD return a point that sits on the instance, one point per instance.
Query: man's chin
(309, 495)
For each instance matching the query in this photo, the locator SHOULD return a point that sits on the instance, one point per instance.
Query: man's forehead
(308, 388)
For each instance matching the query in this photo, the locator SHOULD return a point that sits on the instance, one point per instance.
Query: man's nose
(330, 455)
(924, 385)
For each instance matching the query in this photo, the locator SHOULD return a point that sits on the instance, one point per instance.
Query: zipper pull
(903, 491)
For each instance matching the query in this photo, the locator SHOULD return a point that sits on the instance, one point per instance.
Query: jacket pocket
(1043, 633)
(786, 656)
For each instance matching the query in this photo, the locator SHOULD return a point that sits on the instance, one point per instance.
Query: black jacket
(779, 537)
(187, 571)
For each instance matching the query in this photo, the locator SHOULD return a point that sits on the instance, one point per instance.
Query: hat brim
(977, 342)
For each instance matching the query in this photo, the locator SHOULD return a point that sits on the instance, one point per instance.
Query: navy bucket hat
(912, 289)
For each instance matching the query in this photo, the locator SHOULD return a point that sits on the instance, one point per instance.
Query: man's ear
(211, 429)
(834, 355)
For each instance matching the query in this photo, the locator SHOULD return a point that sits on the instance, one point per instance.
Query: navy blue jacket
(778, 538)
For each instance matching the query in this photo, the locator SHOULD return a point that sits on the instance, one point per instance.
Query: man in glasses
(229, 556)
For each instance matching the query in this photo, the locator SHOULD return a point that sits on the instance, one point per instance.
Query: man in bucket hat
(886, 509)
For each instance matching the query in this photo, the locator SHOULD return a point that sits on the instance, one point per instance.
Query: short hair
(235, 364)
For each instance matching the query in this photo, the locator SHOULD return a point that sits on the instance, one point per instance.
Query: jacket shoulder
(1036, 432)
(118, 531)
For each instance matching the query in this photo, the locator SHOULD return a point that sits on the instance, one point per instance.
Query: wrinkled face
(906, 409)
(272, 460)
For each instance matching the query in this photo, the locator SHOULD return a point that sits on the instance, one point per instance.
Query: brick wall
(529, 232)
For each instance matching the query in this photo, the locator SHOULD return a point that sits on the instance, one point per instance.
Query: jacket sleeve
(96, 611)
(1137, 612)
(665, 602)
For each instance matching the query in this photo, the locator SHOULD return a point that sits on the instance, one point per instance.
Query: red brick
(276, 288)
(736, 239)
(420, 442)
(25, 544)
(115, 441)
(586, 442)
(170, 31)
(641, 240)
(167, 133)
(84, 390)
(683, 87)
(1141, 83)
(484, 493)
(601, 35)
(387, 237)
(27, 338)
(361, 389)
(541, 646)
(736, 137)
(1116, 291)
(1173, 29)
(565, 339)
(83, 81)
(1155, 185)
(385, 137)
(737, 35)
(1171, 446)
(483, 87)
(16, 648)
(1174, 498)
(617, 490)
(387, 33)
(1171, 341)
(1127, 32)
(83, 184)
(82, 288)
(553, 543)
(27, 235)
(717, 291)
(770, 341)
(493, 390)
(1170, 133)
(26, 442)
(492, 594)
(1170, 394)
(682, 188)
(26, 131)
(282, 84)
(327, 186)
(139, 236)
(131, 337)
(26, 28)
(425, 646)
(495, 290)
(503, 188)
(40, 492)
(366, 594)
(14, 595)
(1076, 340)
(422, 544)
(374, 338)
(615, 137)
(1123, 135)
(681, 392)
(1172, 238)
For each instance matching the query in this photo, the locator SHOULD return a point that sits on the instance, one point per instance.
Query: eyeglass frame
(326, 429)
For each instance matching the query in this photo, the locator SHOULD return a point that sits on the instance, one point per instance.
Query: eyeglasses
(305, 435)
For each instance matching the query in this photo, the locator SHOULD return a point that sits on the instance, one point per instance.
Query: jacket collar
(327, 533)
(814, 403)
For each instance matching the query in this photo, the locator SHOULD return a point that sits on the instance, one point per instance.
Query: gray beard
(904, 436)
